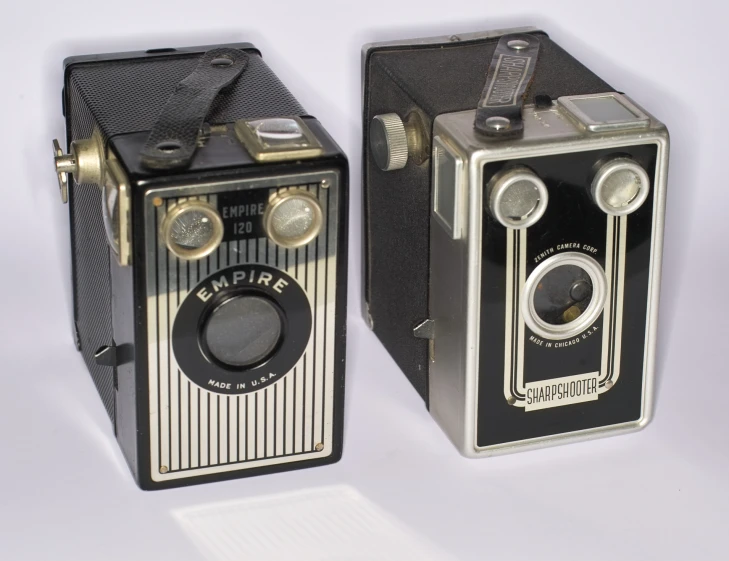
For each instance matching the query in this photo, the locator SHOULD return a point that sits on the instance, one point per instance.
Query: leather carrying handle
(509, 76)
(172, 142)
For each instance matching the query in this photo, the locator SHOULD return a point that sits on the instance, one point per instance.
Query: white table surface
(663, 493)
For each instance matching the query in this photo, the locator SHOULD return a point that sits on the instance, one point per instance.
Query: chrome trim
(182, 442)
(587, 318)
(454, 388)
(173, 213)
(499, 185)
(609, 168)
(116, 178)
(308, 147)
(584, 121)
(276, 201)
(455, 225)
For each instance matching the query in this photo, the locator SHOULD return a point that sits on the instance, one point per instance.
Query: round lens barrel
(620, 186)
(517, 198)
(243, 331)
(192, 229)
(293, 218)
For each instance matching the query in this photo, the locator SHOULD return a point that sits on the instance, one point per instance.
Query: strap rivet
(517, 44)
(168, 146)
(498, 123)
(221, 62)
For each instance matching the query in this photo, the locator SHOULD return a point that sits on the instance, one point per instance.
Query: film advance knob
(388, 142)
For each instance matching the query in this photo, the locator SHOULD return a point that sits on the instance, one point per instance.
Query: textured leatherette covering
(126, 93)
(433, 79)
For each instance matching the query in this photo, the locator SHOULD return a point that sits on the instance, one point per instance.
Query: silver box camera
(514, 207)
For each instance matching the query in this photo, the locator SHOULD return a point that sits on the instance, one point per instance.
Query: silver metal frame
(308, 147)
(640, 120)
(456, 269)
(614, 166)
(454, 224)
(316, 274)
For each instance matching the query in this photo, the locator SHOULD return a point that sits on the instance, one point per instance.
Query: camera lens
(620, 186)
(564, 295)
(293, 218)
(243, 330)
(192, 229)
(517, 198)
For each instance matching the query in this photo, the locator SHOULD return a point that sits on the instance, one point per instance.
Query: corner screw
(609, 384)
(319, 447)
(164, 469)
(510, 400)
(325, 184)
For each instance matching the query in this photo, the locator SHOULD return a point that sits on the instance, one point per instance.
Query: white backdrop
(65, 491)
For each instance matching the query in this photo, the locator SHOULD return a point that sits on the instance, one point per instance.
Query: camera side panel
(113, 94)
(426, 78)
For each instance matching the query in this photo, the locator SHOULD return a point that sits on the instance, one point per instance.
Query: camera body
(209, 271)
(514, 279)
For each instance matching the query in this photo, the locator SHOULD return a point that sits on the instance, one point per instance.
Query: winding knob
(388, 142)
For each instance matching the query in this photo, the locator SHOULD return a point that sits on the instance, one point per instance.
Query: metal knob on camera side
(85, 161)
(89, 164)
(394, 141)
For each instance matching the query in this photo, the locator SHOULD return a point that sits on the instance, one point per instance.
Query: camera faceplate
(489, 373)
(207, 417)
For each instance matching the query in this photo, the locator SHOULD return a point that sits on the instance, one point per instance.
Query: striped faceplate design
(194, 431)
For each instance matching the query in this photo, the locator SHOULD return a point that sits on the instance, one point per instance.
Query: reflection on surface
(332, 523)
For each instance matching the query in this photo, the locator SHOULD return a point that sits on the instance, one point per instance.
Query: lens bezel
(282, 197)
(609, 168)
(591, 313)
(216, 304)
(188, 344)
(192, 254)
(500, 184)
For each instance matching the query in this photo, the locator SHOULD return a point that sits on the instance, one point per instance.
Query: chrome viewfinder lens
(293, 218)
(192, 229)
(620, 186)
(517, 198)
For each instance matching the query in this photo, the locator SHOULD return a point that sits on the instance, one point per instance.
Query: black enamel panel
(572, 222)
